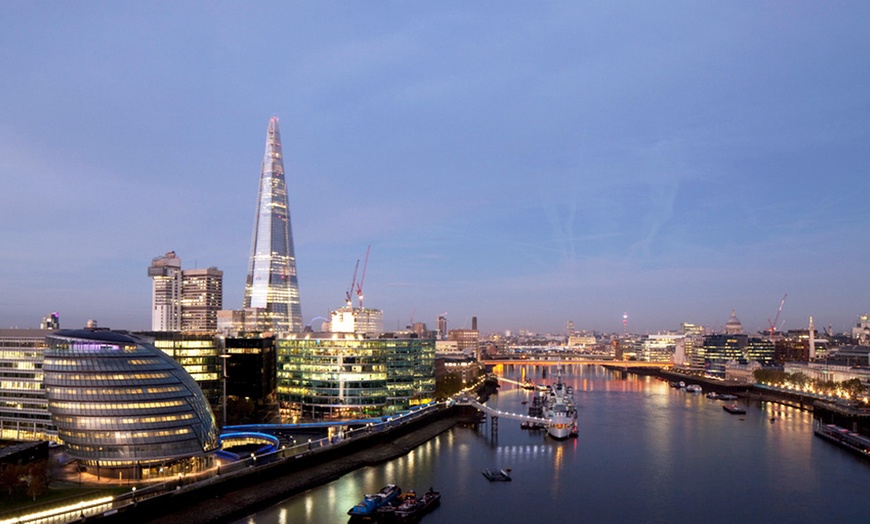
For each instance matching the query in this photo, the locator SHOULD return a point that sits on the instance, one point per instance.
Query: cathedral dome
(733, 326)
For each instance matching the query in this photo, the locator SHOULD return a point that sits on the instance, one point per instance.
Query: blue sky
(527, 163)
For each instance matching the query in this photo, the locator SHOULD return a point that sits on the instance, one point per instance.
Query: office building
(199, 355)
(349, 319)
(119, 402)
(720, 349)
(861, 331)
(251, 374)
(271, 282)
(659, 347)
(468, 340)
(23, 405)
(347, 375)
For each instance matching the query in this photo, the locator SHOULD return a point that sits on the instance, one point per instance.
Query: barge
(843, 437)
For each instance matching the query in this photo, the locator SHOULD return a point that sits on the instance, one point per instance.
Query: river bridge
(495, 414)
(555, 361)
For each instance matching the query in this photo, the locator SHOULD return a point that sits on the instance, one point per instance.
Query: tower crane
(359, 286)
(776, 321)
(348, 293)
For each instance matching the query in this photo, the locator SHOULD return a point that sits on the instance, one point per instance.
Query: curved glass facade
(117, 401)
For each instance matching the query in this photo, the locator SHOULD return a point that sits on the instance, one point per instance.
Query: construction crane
(349, 291)
(776, 321)
(359, 286)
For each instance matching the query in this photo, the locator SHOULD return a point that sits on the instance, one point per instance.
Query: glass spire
(271, 284)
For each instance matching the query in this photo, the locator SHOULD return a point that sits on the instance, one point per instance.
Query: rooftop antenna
(625, 323)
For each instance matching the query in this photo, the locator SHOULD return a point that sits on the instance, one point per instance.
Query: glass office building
(346, 375)
(23, 406)
(199, 355)
(271, 283)
(120, 402)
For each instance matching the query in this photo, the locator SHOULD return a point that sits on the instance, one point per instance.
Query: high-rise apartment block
(165, 273)
(441, 322)
(184, 300)
(51, 321)
(271, 282)
(201, 298)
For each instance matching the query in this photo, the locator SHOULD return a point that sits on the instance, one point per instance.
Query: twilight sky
(528, 163)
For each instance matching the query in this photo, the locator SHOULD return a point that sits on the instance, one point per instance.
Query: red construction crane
(359, 286)
(776, 321)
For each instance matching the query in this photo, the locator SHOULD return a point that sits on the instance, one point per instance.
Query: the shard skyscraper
(272, 284)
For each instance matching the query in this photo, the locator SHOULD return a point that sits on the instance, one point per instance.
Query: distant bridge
(546, 361)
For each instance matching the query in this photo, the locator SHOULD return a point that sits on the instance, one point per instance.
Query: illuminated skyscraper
(201, 298)
(165, 272)
(272, 284)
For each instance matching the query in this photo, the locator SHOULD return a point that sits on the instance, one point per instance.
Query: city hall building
(119, 402)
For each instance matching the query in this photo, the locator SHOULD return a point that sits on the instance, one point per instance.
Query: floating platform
(496, 475)
(734, 409)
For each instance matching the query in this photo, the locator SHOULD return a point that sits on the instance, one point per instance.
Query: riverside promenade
(234, 495)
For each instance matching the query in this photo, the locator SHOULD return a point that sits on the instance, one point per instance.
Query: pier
(495, 414)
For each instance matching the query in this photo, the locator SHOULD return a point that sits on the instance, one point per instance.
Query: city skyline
(528, 165)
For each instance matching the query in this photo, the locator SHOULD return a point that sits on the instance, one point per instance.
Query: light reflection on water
(646, 452)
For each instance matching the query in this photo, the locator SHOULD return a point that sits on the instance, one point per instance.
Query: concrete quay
(234, 495)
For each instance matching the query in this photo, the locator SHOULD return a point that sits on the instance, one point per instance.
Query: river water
(646, 453)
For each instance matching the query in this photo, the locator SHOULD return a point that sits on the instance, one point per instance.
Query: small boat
(681, 384)
(370, 503)
(528, 385)
(734, 409)
(727, 396)
(524, 402)
(416, 507)
(693, 388)
(713, 395)
(496, 475)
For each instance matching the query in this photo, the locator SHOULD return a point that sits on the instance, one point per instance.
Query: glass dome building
(120, 402)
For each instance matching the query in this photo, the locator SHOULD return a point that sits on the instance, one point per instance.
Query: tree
(854, 388)
(37, 481)
(9, 474)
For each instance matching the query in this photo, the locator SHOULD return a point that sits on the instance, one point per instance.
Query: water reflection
(646, 452)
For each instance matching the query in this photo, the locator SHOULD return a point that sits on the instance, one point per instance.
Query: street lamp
(224, 356)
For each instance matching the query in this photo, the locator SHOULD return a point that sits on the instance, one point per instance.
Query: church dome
(733, 326)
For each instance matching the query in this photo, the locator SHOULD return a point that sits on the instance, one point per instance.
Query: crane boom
(352, 284)
(776, 320)
(359, 286)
